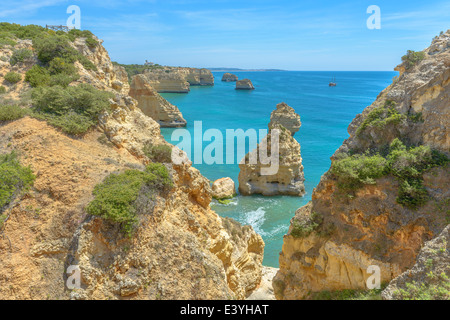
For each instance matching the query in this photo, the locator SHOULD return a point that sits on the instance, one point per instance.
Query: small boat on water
(333, 83)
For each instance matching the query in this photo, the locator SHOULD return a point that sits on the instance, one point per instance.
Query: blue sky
(284, 34)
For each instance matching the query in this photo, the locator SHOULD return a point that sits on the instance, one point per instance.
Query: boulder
(223, 188)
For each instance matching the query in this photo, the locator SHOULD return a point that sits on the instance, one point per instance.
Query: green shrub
(158, 153)
(38, 76)
(15, 179)
(6, 42)
(305, 225)
(426, 291)
(412, 194)
(381, 117)
(51, 47)
(406, 164)
(91, 42)
(2, 90)
(117, 197)
(412, 58)
(73, 109)
(59, 65)
(354, 171)
(13, 77)
(20, 55)
(12, 112)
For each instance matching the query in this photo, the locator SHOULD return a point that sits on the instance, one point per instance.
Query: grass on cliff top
(121, 197)
(406, 164)
(14, 178)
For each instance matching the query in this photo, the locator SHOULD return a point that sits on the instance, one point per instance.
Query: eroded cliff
(180, 249)
(386, 192)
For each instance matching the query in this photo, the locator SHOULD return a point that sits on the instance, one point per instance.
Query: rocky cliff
(429, 278)
(288, 178)
(153, 105)
(386, 192)
(178, 79)
(181, 249)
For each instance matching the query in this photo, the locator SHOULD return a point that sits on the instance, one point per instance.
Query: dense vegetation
(406, 164)
(411, 58)
(121, 197)
(14, 178)
(73, 109)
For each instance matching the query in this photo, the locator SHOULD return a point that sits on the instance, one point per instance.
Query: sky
(310, 35)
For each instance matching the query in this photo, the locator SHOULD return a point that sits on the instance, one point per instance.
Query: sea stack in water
(244, 84)
(287, 178)
(153, 105)
(228, 77)
(223, 189)
(286, 116)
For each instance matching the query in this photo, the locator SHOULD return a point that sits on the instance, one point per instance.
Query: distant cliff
(386, 192)
(178, 79)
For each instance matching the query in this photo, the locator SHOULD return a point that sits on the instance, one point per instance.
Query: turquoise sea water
(325, 113)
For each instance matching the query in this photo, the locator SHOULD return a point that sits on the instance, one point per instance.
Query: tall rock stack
(289, 178)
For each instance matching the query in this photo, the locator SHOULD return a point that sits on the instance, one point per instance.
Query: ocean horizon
(325, 113)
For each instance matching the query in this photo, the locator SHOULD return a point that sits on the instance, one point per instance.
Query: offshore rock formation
(286, 116)
(153, 105)
(288, 179)
(223, 189)
(228, 77)
(244, 84)
(181, 250)
(178, 79)
(334, 239)
(429, 274)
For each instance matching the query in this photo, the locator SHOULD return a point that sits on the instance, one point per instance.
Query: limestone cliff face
(346, 234)
(153, 105)
(288, 178)
(178, 79)
(107, 76)
(430, 276)
(181, 250)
